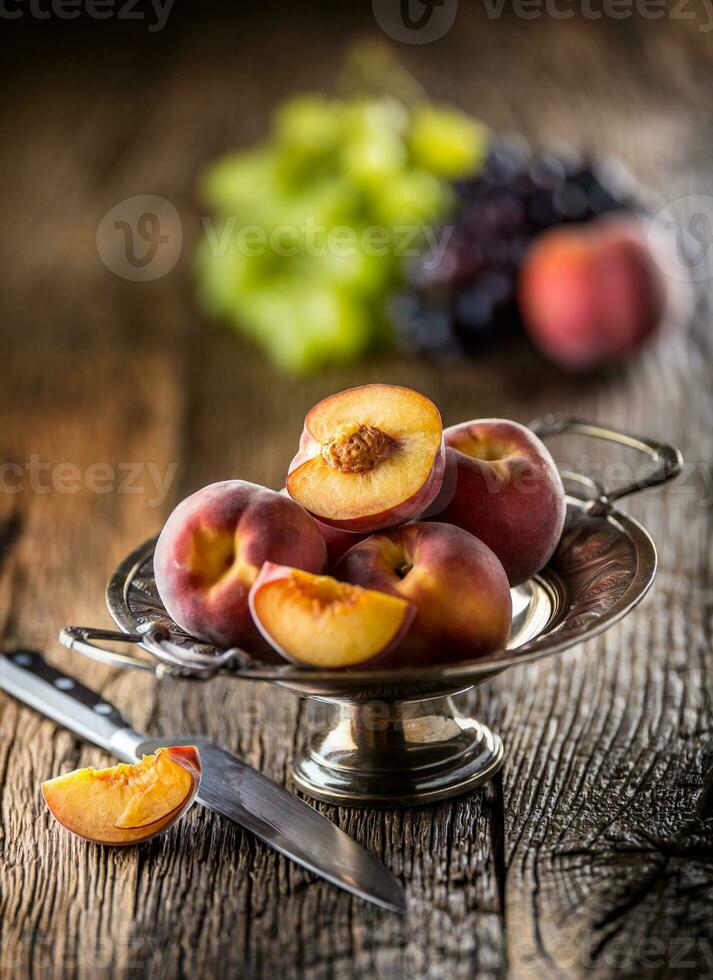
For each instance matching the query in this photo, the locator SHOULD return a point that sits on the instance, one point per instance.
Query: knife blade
(229, 786)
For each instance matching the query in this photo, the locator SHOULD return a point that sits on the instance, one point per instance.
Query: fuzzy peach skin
(457, 584)
(126, 804)
(316, 621)
(369, 458)
(212, 548)
(592, 294)
(337, 541)
(503, 486)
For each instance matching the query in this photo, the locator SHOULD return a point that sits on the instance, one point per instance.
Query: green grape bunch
(308, 230)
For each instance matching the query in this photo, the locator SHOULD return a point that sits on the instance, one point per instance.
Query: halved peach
(369, 458)
(320, 622)
(126, 804)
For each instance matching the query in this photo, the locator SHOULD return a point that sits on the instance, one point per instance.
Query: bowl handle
(83, 640)
(156, 639)
(667, 460)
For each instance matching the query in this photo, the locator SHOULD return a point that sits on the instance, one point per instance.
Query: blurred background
(146, 349)
(495, 173)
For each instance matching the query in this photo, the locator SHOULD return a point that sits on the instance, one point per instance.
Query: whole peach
(212, 548)
(459, 588)
(504, 487)
(591, 294)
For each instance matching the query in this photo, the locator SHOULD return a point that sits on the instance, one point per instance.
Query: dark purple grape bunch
(461, 296)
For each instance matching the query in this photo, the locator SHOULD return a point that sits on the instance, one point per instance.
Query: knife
(228, 785)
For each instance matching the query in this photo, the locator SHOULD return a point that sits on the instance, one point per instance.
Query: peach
(337, 541)
(369, 458)
(458, 586)
(592, 294)
(127, 804)
(503, 486)
(212, 548)
(317, 621)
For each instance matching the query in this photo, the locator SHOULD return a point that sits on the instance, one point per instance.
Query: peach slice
(126, 804)
(369, 458)
(320, 622)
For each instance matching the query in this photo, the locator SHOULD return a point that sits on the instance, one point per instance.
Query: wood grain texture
(590, 855)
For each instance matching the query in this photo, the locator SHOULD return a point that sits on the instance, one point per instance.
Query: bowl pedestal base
(388, 754)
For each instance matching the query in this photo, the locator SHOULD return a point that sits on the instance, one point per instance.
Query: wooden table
(591, 853)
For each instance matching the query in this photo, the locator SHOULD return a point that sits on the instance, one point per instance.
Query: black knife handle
(27, 676)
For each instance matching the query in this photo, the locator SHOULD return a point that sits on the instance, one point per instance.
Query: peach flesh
(457, 584)
(369, 458)
(126, 804)
(211, 550)
(504, 487)
(317, 621)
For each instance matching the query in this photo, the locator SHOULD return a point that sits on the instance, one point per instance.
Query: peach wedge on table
(369, 458)
(211, 550)
(126, 804)
(316, 621)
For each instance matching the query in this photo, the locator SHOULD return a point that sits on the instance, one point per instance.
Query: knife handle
(27, 676)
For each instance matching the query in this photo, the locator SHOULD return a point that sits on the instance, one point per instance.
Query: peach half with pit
(458, 586)
(126, 804)
(369, 458)
(316, 621)
(503, 486)
(212, 548)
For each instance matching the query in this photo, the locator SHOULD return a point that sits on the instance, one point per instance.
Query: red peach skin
(212, 548)
(507, 491)
(337, 541)
(591, 295)
(457, 584)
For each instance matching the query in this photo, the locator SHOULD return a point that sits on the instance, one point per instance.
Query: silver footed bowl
(395, 737)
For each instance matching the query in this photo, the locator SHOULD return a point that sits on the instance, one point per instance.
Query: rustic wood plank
(595, 841)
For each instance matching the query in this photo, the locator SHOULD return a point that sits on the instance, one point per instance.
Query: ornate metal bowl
(395, 736)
